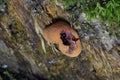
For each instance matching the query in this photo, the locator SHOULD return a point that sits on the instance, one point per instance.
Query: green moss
(19, 25)
(18, 32)
(106, 10)
(4, 1)
(39, 47)
(9, 75)
(90, 57)
(1, 78)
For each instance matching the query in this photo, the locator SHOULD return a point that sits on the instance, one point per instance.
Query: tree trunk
(24, 50)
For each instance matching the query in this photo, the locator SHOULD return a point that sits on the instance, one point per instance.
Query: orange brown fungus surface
(67, 38)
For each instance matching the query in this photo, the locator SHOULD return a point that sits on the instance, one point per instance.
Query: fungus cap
(52, 35)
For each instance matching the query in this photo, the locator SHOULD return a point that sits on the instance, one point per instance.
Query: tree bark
(23, 48)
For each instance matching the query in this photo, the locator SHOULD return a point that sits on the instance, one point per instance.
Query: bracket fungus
(65, 37)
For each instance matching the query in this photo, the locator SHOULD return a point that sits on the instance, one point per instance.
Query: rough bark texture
(23, 49)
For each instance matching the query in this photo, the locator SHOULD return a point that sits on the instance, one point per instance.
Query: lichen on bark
(23, 48)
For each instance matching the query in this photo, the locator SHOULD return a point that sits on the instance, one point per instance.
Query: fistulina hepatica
(65, 37)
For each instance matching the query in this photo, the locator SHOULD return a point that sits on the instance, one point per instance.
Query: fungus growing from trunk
(65, 37)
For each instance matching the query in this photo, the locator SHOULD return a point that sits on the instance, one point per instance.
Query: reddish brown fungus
(67, 38)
